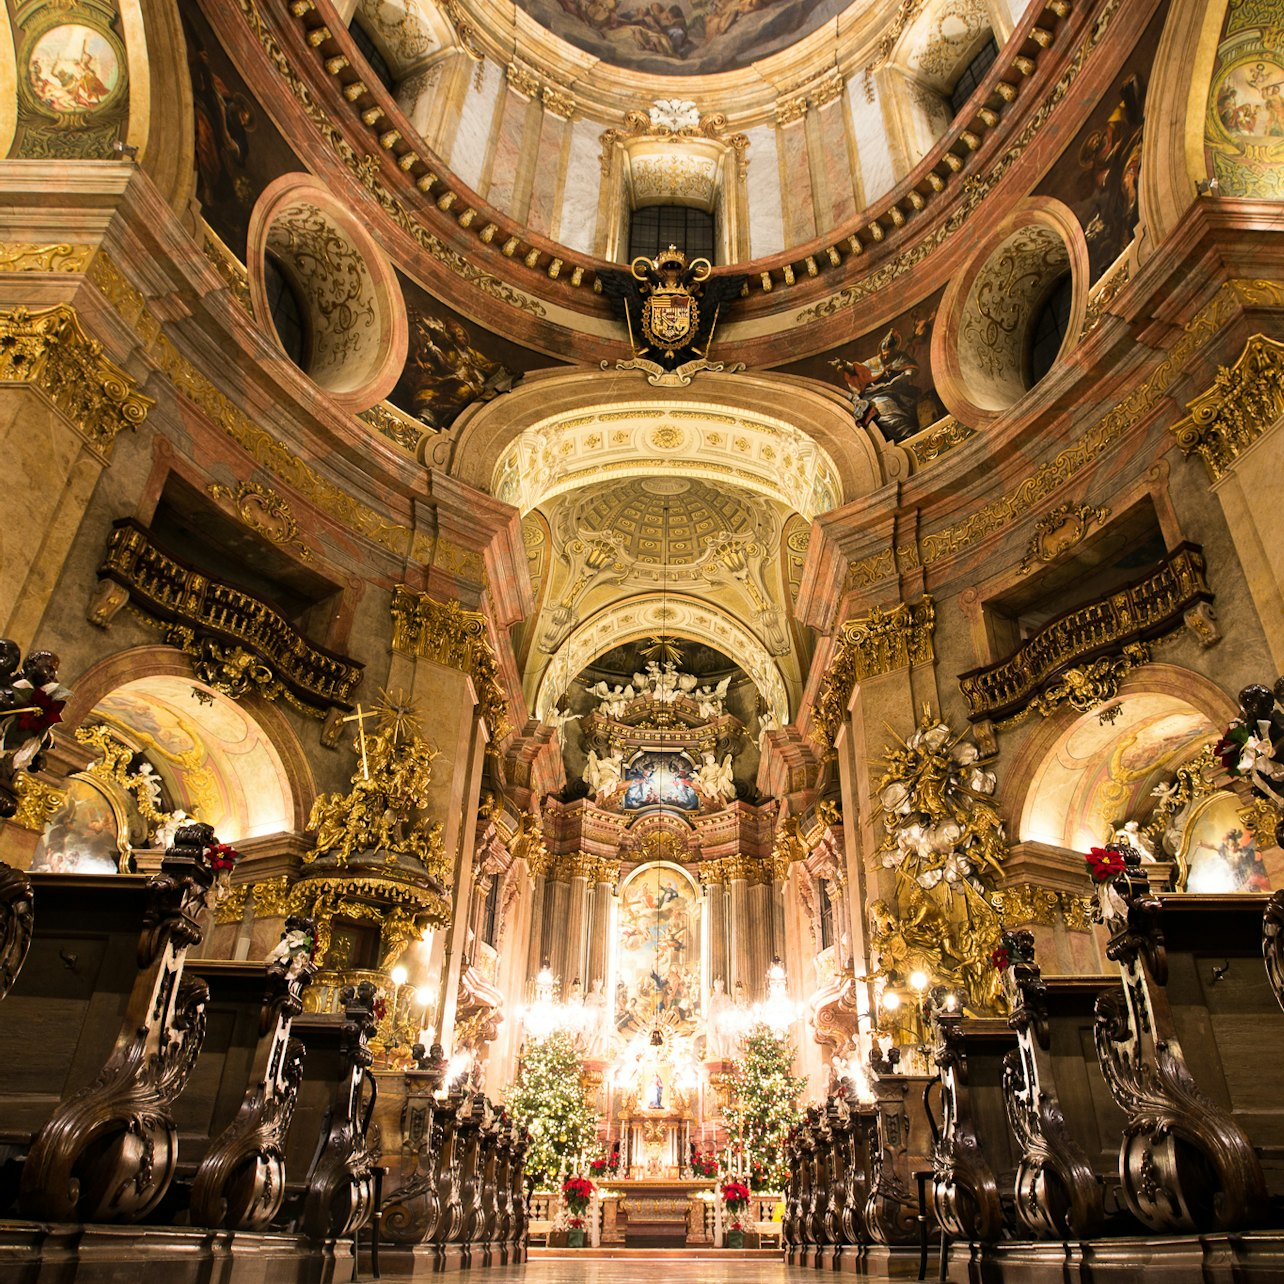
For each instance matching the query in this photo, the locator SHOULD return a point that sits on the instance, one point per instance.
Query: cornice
(441, 225)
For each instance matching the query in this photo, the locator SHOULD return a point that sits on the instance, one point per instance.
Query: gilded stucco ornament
(1243, 402)
(448, 634)
(50, 351)
(880, 642)
(945, 841)
(1057, 532)
(263, 510)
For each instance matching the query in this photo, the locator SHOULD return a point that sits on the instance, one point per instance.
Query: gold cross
(360, 719)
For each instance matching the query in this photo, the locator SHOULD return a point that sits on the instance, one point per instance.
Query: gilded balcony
(237, 642)
(1080, 657)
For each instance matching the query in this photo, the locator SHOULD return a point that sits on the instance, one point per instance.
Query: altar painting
(660, 779)
(657, 964)
(1218, 853)
(84, 836)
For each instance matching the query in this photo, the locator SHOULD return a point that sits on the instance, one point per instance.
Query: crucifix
(360, 719)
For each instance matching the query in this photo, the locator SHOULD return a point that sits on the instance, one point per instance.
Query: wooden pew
(15, 924)
(102, 1033)
(327, 1143)
(1066, 1123)
(1183, 1047)
(974, 1155)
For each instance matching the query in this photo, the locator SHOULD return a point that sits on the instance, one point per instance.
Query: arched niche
(779, 435)
(985, 326)
(1082, 772)
(642, 617)
(237, 764)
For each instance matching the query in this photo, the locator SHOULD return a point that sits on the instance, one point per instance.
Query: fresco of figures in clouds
(683, 37)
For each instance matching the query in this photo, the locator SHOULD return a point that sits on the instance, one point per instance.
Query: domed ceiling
(682, 37)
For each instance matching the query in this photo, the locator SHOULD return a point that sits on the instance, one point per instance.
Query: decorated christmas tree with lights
(763, 1107)
(550, 1099)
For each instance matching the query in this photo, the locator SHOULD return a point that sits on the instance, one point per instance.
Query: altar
(655, 1144)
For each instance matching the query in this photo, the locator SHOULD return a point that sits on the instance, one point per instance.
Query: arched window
(1050, 328)
(655, 227)
(288, 313)
(972, 75)
(370, 52)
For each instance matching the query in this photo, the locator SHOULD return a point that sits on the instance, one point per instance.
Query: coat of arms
(671, 308)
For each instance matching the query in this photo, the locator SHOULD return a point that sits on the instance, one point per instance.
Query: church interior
(633, 639)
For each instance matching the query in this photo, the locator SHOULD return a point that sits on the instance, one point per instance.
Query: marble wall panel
(578, 214)
(507, 157)
(542, 212)
(766, 217)
(795, 177)
(472, 137)
(874, 157)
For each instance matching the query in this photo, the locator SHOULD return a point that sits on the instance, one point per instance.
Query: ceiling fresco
(686, 37)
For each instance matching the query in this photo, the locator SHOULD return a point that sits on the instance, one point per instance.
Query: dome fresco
(683, 37)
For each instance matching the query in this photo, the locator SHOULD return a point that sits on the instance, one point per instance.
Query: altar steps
(612, 1251)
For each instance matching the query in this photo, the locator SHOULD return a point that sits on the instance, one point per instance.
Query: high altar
(668, 915)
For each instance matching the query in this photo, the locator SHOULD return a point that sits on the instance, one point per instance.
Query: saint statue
(655, 1098)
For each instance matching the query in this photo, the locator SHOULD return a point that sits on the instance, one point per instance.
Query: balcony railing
(1136, 613)
(237, 642)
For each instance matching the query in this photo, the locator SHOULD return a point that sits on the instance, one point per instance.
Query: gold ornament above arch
(675, 616)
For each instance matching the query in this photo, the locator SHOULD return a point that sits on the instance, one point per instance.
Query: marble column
(535, 932)
(597, 955)
(738, 938)
(574, 929)
(719, 959)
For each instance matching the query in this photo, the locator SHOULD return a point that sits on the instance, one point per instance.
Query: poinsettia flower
(221, 856)
(1104, 863)
(999, 958)
(43, 710)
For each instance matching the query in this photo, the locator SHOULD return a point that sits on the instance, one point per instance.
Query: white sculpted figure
(719, 1040)
(674, 114)
(603, 774)
(715, 778)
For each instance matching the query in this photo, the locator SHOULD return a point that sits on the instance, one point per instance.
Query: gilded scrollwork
(1057, 532)
(49, 350)
(263, 510)
(1244, 400)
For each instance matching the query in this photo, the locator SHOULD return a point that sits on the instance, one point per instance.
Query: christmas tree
(550, 1099)
(763, 1106)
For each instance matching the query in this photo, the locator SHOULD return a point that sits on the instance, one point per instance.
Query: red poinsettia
(222, 856)
(379, 1008)
(1104, 863)
(999, 958)
(735, 1194)
(42, 712)
(577, 1191)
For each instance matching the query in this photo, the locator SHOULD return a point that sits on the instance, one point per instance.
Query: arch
(690, 881)
(161, 116)
(261, 780)
(557, 430)
(1172, 147)
(1079, 773)
(641, 617)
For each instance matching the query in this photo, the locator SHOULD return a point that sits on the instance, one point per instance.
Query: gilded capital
(49, 350)
(879, 642)
(447, 634)
(1243, 401)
